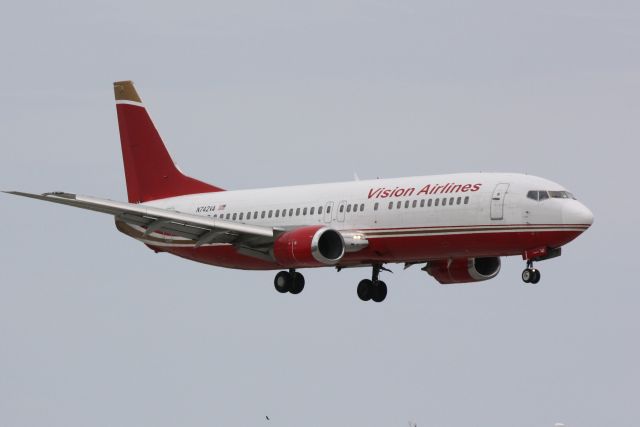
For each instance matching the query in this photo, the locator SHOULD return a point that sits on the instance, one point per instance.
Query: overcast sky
(96, 330)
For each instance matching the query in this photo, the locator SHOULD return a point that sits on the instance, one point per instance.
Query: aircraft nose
(577, 213)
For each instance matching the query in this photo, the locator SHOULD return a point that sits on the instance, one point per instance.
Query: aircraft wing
(148, 219)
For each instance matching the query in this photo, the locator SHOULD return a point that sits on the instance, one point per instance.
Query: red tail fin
(148, 167)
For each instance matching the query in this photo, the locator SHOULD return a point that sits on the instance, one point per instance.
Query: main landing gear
(289, 281)
(530, 274)
(373, 289)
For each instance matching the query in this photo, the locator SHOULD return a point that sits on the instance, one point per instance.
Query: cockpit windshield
(540, 195)
(561, 195)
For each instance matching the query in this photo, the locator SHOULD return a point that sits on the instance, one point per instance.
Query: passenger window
(361, 207)
(348, 208)
(341, 208)
(234, 216)
(313, 209)
(284, 213)
(437, 202)
(444, 201)
(406, 204)
(451, 201)
(399, 205)
(228, 216)
(241, 215)
(459, 200)
(263, 213)
(291, 212)
(429, 203)
(255, 215)
(390, 205)
(277, 213)
(414, 204)
(270, 213)
(329, 209)
(320, 210)
(355, 208)
(304, 211)
(422, 203)
(466, 200)
(375, 206)
(297, 211)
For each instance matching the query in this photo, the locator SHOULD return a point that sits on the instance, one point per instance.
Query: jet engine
(311, 246)
(463, 270)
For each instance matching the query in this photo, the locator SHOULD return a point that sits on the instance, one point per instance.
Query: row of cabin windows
(290, 212)
(353, 207)
(428, 203)
(271, 213)
(349, 208)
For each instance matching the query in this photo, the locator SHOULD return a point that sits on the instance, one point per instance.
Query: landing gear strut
(373, 289)
(530, 274)
(289, 281)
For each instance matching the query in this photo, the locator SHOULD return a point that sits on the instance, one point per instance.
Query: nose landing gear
(373, 289)
(530, 274)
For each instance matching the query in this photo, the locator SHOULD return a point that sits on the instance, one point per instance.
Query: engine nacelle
(464, 270)
(310, 246)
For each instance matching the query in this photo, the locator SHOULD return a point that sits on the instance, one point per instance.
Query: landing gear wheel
(536, 276)
(379, 291)
(365, 289)
(297, 284)
(282, 282)
(531, 275)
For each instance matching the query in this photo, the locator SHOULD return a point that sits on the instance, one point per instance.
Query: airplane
(458, 226)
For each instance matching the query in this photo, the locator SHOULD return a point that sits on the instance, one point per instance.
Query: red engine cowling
(464, 270)
(309, 247)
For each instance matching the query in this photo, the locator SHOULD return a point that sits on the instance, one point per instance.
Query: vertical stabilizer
(149, 170)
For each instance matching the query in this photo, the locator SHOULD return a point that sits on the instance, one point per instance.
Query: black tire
(282, 282)
(536, 276)
(364, 290)
(297, 284)
(527, 275)
(379, 291)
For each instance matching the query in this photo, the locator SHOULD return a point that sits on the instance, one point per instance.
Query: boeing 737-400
(457, 226)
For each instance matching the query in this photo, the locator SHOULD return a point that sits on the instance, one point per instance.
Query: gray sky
(97, 330)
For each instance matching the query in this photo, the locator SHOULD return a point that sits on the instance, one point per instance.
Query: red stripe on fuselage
(398, 249)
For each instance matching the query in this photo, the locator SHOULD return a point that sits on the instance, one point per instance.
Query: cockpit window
(538, 195)
(561, 195)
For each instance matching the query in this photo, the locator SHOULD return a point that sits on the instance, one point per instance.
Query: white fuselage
(411, 219)
(291, 207)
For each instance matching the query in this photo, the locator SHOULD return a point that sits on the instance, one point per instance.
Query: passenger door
(497, 201)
